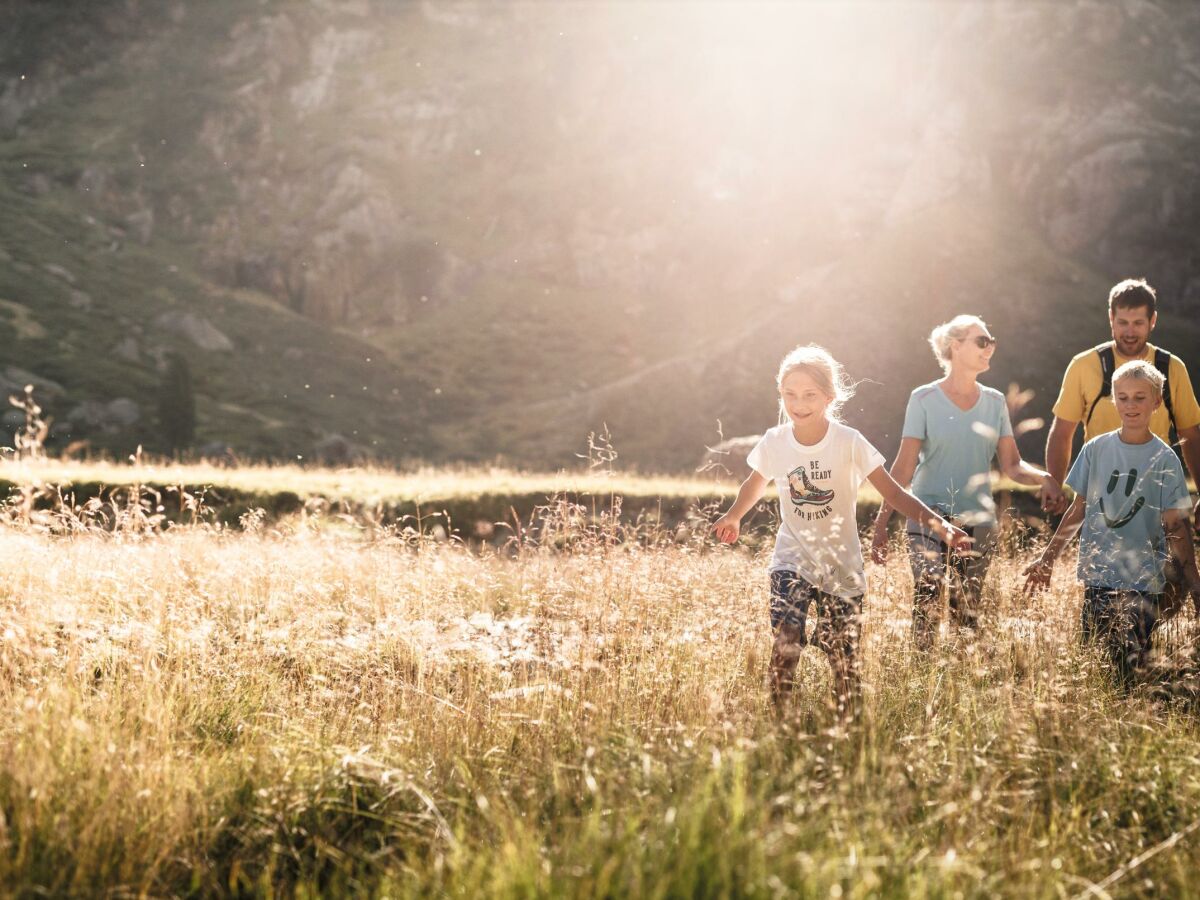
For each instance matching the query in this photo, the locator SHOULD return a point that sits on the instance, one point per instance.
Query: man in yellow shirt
(1087, 385)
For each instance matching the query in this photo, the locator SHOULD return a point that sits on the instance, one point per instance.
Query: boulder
(59, 272)
(123, 412)
(141, 223)
(14, 379)
(727, 460)
(338, 450)
(128, 350)
(198, 330)
(95, 416)
(217, 452)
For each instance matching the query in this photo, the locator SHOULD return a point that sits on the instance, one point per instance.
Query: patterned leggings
(935, 569)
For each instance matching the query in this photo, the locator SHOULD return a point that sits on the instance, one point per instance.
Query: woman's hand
(1051, 495)
(1037, 575)
(728, 528)
(879, 544)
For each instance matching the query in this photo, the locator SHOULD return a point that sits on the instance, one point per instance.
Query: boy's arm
(1037, 573)
(729, 526)
(907, 505)
(1179, 541)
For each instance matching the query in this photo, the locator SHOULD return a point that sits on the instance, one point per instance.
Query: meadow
(309, 707)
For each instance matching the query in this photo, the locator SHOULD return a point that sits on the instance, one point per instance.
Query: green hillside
(478, 233)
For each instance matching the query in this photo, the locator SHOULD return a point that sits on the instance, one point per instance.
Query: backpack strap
(1162, 362)
(1108, 362)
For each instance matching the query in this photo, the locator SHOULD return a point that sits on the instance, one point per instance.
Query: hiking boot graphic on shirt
(804, 492)
(1113, 481)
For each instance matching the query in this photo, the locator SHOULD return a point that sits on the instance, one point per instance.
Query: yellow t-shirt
(1084, 378)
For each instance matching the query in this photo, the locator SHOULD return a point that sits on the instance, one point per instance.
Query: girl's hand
(956, 538)
(1051, 495)
(879, 544)
(1037, 575)
(727, 529)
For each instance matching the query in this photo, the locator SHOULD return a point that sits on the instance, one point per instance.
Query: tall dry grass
(307, 712)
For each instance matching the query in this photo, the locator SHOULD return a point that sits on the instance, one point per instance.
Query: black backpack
(1108, 362)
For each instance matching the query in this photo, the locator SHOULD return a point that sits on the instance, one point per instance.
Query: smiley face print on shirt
(1114, 481)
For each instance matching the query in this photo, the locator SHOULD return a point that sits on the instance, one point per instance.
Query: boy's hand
(879, 544)
(1194, 590)
(1037, 575)
(727, 529)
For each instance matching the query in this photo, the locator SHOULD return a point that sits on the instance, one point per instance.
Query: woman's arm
(1050, 492)
(903, 468)
(729, 526)
(908, 505)
(1037, 573)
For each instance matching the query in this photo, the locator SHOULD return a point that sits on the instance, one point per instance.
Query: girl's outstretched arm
(1037, 573)
(729, 526)
(908, 505)
(1050, 492)
(903, 468)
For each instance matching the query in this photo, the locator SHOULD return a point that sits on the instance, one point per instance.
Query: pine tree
(177, 405)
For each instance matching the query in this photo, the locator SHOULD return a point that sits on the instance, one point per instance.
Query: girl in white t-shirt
(818, 465)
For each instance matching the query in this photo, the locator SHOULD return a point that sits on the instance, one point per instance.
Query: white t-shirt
(818, 493)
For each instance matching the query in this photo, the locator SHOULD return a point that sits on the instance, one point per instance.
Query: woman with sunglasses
(953, 428)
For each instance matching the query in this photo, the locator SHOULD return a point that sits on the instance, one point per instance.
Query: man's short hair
(1132, 293)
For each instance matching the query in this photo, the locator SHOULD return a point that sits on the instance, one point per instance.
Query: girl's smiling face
(803, 399)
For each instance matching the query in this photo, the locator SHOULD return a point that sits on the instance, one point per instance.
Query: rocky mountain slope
(463, 231)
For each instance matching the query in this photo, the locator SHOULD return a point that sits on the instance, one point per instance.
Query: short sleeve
(1077, 478)
(1006, 429)
(1174, 485)
(759, 458)
(1069, 405)
(915, 425)
(1183, 397)
(865, 457)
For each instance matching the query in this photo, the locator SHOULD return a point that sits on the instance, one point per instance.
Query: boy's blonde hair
(1139, 368)
(819, 365)
(942, 337)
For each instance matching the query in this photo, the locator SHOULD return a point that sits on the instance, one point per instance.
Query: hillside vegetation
(457, 232)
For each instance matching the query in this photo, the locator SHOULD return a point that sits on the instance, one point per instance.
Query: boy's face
(1131, 329)
(1136, 400)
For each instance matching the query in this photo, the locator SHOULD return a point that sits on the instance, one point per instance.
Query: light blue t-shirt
(957, 446)
(1127, 487)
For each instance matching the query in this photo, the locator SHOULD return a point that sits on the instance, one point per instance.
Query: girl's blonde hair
(1139, 368)
(819, 365)
(942, 337)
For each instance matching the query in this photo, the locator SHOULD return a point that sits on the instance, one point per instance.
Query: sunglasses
(982, 341)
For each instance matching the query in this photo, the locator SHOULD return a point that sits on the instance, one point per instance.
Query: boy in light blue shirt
(1132, 501)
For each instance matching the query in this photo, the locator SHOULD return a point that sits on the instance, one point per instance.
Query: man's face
(1131, 327)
